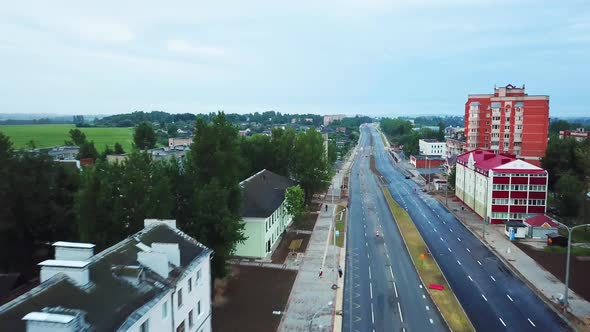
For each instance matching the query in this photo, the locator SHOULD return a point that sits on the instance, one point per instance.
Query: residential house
(264, 213)
(539, 226)
(155, 280)
(579, 134)
(64, 152)
(174, 141)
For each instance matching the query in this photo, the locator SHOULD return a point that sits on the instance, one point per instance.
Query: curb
(514, 271)
(433, 259)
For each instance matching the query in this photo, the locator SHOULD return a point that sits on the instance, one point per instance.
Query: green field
(54, 135)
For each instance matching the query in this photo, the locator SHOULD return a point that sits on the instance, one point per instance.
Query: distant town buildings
(424, 161)
(579, 134)
(508, 121)
(264, 213)
(155, 280)
(69, 152)
(432, 147)
(499, 186)
(174, 141)
(331, 118)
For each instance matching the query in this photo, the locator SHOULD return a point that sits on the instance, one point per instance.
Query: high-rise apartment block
(508, 121)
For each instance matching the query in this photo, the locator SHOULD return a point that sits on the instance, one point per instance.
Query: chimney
(73, 251)
(56, 320)
(170, 222)
(155, 261)
(171, 251)
(75, 270)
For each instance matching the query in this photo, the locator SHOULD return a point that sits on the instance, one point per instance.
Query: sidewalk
(313, 299)
(538, 279)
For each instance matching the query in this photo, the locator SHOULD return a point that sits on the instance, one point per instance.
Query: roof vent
(56, 320)
(155, 261)
(73, 251)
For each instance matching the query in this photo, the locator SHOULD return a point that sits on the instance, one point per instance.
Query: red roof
(539, 220)
(502, 163)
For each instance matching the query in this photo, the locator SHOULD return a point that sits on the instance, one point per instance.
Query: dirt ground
(308, 221)
(282, 250)
(555, 263)
(246, 300)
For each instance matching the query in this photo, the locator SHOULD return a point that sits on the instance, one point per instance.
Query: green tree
(310, 167)
(215, 172)
(119, 148)
(77, 137)
(295, 202)
(257, 154)
(144, 136)
(570, 194)
(332, 152)
(88, 150)
(282, 142)
(453, 177)
(172, 130)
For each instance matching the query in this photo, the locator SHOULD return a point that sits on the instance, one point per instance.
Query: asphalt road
(494, 299)
(382, 290)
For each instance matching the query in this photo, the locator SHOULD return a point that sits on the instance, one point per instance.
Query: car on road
(407, 176)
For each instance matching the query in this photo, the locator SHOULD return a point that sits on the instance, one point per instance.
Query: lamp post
(317, 312)
(570, 230)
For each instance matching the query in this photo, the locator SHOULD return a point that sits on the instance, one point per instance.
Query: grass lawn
(576, 251)
(55, 134)
(428, 270)
(340, 226)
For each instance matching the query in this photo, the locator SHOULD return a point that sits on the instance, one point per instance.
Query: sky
(372, 57)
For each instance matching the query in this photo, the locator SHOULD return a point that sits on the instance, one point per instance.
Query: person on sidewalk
(340, 271)
(321, 273)
(326, 207)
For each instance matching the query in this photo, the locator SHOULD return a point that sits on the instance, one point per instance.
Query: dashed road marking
(449, 249)
(423, 296)
(484, 297)
(399, 308)
(450, 229)
(459, 239)
(395, 289)
(431, 321)
(533, 324)
(469, 278)
(502, 321)
(510, 298)
(478, 262)
(458, 262)
(494, 279)
(427, 308)
(442, 239)
(369, 272)
(391, 271)
(372, 314)
(468, 250)
(371, 290)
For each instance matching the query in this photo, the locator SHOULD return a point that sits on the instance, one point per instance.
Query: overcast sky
(321, 56)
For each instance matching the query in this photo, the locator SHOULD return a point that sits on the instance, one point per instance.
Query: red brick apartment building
(508, 121)
(499, 186)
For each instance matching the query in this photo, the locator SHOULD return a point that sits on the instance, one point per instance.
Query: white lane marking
(478, 262)
(395, 289)
(399, 308)
(369, 272)
(442, 239)
(367, 244)
(423, 296)
(459, 239)
(458, 262)
(420, 286)
(449, 249)
(391, 271)
(450, 229)
(533, 324)
(444, 222)
(371, 290)
(435, 230)
(469, 278)
(484, 297)
(427, 308)
(468, 250)
(372, 314)
(510, 298)
(502, 321)
(494, 279)
(431, 321)
(368, 256)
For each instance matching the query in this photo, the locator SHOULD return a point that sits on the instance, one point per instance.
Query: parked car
(407, 176)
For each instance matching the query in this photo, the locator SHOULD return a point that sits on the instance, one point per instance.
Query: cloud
(100, 30)
(184, 47)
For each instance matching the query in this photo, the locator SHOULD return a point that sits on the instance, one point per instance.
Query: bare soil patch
(307, 223)
(282, 250)
(555, 263)
(245, 300)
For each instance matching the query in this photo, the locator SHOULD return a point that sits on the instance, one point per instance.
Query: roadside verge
(428, 270)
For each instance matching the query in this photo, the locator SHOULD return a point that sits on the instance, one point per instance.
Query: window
(199, 308)
(507, 136)
(145, 326)
(165, 310)
(190, 285)
(507, 127)
(179, 295)
(190, 319)
(198, 276)
(180, 327)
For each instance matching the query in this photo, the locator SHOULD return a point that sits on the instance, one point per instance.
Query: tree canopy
(144, 136)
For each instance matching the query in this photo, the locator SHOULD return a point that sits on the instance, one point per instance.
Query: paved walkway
(313, 302)
(539, 280)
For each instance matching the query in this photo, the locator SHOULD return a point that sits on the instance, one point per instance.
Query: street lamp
(317, 312)
(570, 230)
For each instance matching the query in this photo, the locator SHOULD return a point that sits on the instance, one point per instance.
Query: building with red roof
(540, 225)
(500, 187)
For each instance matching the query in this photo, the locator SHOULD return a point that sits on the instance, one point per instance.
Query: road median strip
(428, 270)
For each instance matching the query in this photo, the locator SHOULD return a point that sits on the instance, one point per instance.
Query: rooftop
(110, 300)
(541, 220)
(49, 317)
(73, 245)
(263, 193)
(502, 163)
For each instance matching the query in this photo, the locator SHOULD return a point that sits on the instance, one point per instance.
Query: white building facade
(431, 147)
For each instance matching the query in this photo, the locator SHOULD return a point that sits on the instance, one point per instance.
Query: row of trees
(42, 202)
(401, 132)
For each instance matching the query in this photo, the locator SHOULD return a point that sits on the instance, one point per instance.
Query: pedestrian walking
(340, 271)
(321, 273)
(326, 207)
